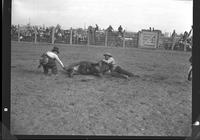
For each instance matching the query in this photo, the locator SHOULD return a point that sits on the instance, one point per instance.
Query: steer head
(103, 67)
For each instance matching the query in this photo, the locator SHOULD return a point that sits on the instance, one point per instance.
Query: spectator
(120, 30)
(97, 27)
(110, 28)
(20, 38)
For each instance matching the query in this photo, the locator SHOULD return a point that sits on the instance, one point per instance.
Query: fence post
(124, 40)
(71, 36)
(53, 36)
(88, 38)
(35, 31)
(173, 41)
(106, 38)
(185, 45)
(18, 33)
(173, 44)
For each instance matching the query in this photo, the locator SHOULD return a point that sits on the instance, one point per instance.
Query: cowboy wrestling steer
(48, 61)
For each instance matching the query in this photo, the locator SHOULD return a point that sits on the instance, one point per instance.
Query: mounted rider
(186, 39)
(48, 61)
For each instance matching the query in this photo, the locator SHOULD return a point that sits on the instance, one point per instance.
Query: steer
(87, 68)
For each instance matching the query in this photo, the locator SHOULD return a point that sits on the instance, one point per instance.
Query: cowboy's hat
(108, 54)
(55, 49)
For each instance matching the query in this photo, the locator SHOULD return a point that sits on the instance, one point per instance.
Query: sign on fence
(149, 39)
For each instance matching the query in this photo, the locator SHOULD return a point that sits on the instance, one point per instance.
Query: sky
(133, 15)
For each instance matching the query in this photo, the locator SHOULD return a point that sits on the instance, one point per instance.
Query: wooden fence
(73, 36)
(53, 35)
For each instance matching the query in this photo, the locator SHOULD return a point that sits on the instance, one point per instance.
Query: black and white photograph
(101, 67)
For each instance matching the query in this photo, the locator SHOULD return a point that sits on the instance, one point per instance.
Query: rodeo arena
(93, 81)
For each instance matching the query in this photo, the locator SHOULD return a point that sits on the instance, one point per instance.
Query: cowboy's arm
(106, 61)
(59, 61)
(109, 61)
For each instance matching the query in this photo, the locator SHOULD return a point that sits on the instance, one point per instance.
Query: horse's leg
(190, 73)
(98, 74)
(124, 76)
(71, 72)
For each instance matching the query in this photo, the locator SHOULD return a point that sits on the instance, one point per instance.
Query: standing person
(173, 39)
(120, 30)
(110, 28)
(48, 61)
(97, 27)
(190, 70)
(186, 38)
(115, 68)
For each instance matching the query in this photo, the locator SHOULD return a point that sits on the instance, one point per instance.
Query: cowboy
(48, 61)
(115, 68)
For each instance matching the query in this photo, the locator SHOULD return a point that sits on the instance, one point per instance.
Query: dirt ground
(157, 103)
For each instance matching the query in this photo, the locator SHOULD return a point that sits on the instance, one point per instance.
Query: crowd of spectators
(80, 36)
(44, 34)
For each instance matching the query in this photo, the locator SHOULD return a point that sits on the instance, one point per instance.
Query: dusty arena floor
(157, 103)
